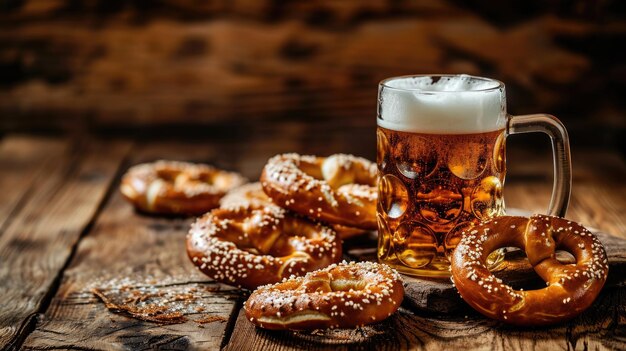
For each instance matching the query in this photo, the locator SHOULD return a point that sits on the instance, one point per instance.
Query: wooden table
(64, 228)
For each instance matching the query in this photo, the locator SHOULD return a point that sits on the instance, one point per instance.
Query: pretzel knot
(253, 194)
(571, 288)
(339, 189)
(340, 296)
(248, 246)
(172, 187)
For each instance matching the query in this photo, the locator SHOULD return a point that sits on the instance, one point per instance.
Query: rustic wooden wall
(183, 65)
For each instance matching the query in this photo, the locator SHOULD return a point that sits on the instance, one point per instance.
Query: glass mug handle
(550, 125)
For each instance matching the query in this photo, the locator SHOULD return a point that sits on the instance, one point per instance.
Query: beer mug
(441, 161)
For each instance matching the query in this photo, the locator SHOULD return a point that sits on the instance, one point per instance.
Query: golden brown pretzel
(253, 194)
(172, 187)
(248, 246)
(247, 194)
(345, 232)
(339, 189)
(571, 288)
(340, 296)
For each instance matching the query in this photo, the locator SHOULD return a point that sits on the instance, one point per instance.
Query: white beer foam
(452, 105)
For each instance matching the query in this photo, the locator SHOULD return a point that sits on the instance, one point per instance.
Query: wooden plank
(609, 331)
(601, 206)
(315, 58)
(140, 250)
(110, 251)
(597, 193)
(40, 239)
(22, 160)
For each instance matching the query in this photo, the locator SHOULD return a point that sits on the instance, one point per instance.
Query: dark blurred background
(236, 68)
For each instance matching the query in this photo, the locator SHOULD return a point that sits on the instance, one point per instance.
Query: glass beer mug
(441, 161)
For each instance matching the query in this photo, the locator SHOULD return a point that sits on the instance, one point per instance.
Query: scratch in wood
(27, 326)
(232, 320)
(64, 347)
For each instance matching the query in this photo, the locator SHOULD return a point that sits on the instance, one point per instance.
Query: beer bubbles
(441, 166)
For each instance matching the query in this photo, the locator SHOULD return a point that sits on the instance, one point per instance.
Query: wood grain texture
(145, 250)
(39, 240)
(598, 191)
(22, 160)
(101, 64)
(134, 250)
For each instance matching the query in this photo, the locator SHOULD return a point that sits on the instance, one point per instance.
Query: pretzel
(345, 232)
(253, 194)
(248, 246)
(247, 194)
(339, 189)
(340, 296)
(172, 187)
(571, 288)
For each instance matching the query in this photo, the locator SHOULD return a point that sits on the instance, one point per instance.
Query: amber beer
(431, 186)
(441, 161)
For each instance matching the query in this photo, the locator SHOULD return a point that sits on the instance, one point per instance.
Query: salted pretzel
(173, 187)
(345, 232)
(339, 189)
(253, 194)
(345, 295)
(247, 194)
(248, 246)
(571, 288)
